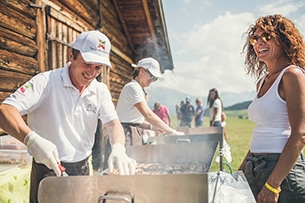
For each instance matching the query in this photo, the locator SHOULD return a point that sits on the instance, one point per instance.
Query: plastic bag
(228, 188)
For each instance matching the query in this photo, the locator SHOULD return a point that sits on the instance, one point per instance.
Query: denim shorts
(258, 169)
(198, 123)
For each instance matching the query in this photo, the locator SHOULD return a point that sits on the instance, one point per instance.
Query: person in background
(177, 107)
(226, 147)
(162, 112)
(187, 113)
(63, 108)
(199, 113)
(275, 166)
(223, 125)
(132, 107)
(215, 108)
(178, 110)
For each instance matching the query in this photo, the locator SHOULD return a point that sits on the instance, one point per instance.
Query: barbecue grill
(195, 135)
(174, 170)
(178, 188)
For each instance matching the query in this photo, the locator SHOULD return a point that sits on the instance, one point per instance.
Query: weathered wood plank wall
(26, 49)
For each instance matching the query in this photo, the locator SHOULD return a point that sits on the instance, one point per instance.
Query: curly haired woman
(274, 165)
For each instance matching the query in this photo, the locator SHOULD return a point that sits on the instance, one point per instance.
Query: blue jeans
(198, 123)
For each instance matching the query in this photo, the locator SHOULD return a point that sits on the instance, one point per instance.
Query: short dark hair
(75, 53)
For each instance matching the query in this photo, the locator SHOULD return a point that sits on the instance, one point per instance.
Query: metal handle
(117, 198)
(183, 140)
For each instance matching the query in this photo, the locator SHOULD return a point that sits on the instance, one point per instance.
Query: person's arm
(197, 112)
(12, 122)
(42, 150)
(118, 156)
(193, 115)
(154, 120)
(293, 92)
(115, 132)
(214, 115)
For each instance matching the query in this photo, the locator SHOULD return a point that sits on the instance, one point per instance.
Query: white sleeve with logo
(29, 95)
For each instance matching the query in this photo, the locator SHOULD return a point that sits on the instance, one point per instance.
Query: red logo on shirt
(23, 88)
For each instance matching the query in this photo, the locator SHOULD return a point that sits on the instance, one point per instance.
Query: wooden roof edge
(170, 58)
(123, 24)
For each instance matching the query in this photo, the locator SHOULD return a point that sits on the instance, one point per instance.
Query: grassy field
(239, 133)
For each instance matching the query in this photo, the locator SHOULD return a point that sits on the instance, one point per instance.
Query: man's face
(81, 72)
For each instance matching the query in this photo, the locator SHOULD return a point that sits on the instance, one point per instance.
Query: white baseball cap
(152, 65)
(94, 47)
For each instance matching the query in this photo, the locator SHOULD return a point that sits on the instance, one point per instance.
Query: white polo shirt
(58, 113)
(131, 94)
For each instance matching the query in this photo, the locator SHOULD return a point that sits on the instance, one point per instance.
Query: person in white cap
(63, 108)
(132, 107)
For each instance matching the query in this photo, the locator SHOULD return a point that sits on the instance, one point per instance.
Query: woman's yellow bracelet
(269, 187)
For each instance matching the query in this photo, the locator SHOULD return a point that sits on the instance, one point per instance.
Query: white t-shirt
(216, 104)
(131, 94)
(58, 113)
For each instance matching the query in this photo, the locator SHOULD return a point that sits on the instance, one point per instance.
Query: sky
(206, 41)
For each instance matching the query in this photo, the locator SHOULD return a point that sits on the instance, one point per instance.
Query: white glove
(175, 132)
(43, 151)
(119, 158)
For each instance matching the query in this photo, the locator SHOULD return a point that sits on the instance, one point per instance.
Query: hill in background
(238, 106)
(170, 97)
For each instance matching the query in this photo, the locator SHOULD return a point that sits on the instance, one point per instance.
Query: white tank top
(270, 115)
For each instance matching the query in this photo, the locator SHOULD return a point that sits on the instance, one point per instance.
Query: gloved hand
(119, 158)
(175, 132)
(43, 151)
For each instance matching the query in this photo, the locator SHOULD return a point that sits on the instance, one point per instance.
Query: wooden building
(34, 37)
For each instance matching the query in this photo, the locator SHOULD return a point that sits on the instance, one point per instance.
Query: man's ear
(70, 55)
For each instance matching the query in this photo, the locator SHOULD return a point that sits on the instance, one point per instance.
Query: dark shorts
(40, 171)
(216, 124)
(258, 169)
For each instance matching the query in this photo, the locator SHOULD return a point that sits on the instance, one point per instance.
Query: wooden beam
(121, 54)
(124, 25)
(150, 24)
(41, 38)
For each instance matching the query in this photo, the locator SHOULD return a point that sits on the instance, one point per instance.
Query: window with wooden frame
(61, 29)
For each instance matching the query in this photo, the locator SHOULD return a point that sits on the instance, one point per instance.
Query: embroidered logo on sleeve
(24, 87)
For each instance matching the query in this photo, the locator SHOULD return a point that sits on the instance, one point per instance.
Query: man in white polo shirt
(63, 108)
